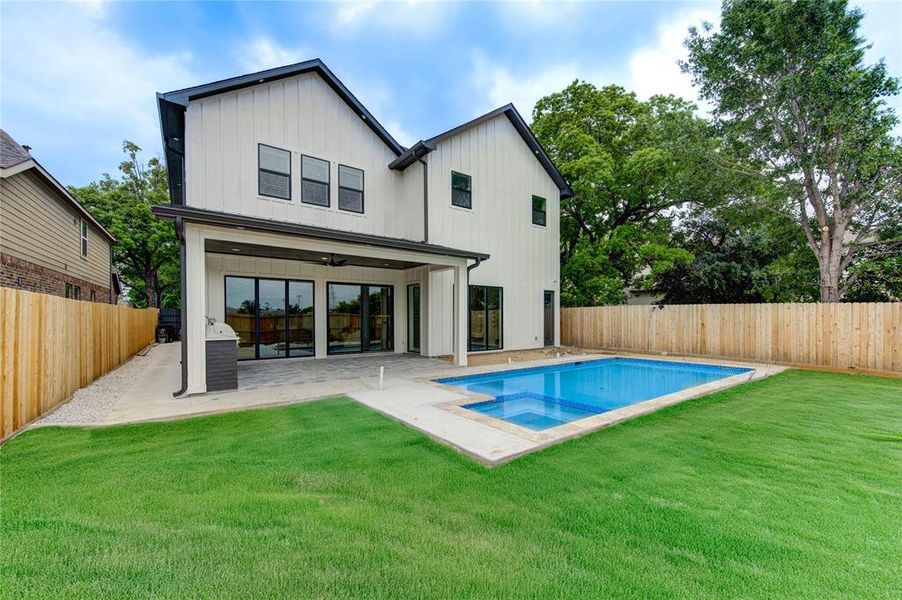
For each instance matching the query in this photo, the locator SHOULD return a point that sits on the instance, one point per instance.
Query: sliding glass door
(272, 317)
(486, 318)
(360, 318)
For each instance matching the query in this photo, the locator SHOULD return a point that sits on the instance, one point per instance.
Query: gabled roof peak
(424, 147)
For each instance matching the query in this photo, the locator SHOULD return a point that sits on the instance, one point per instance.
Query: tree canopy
(630, 164)
(147, 255)
(793, 97)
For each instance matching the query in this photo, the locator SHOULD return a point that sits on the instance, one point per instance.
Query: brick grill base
(25, 275)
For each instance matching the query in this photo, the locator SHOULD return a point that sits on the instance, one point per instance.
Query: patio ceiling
(308, 256)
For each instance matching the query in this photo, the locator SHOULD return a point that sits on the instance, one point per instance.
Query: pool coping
(578, 428)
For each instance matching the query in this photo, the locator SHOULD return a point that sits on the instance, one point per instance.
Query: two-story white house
(312, 232)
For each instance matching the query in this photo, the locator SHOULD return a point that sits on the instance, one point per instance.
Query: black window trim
(362, 190)
(256, 280)
(260, 168)
(532, 211)
(328, 181)
(469, 191)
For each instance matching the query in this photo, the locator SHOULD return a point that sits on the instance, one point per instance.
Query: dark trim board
(220, 219)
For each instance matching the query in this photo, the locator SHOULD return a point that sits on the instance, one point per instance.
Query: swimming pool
(539, 398)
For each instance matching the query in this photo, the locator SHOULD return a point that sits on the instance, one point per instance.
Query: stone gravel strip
(91, 405)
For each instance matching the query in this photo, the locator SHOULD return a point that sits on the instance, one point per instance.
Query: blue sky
(79, 78)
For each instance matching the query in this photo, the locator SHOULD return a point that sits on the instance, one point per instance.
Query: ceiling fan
(331, 261)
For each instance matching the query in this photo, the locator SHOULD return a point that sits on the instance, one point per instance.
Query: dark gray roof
(11, 153)
(210, 217)
(424, 147)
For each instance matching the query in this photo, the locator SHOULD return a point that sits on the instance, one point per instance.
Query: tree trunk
(149, 289)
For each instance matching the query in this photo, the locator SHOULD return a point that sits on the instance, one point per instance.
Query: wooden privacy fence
(51, 346)
(844, 335)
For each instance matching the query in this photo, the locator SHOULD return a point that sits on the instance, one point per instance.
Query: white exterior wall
(301, 114)
(524, 257)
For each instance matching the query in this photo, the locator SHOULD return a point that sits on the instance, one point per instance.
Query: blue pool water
(542, 397)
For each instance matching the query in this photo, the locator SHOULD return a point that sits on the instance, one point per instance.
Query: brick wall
(25, 275)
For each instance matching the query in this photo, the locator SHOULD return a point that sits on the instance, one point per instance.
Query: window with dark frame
(350, 189)
(93, 296)
(461, 190)
(538, 210)
(485, 323)
(274, 172)
(314, 181)
(84, 239)
(77, 293)
(68, 291)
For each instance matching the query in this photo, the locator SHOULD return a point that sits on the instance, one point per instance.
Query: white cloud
(497, 84)
(72, 86)
(409, 17)
(654, 69)
(263, 53)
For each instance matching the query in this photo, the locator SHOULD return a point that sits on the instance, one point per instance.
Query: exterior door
(413, 317)
(549, 318)
(359, 318)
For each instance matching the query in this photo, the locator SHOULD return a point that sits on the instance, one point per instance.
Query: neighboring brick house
(49, 243)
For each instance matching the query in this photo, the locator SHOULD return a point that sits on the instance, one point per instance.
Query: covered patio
(292, 291)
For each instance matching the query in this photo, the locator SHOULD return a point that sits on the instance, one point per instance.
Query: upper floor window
(350, 189)
(461, 194)
(274, 172)
(314, 181)
(84, 239)
(538, 211)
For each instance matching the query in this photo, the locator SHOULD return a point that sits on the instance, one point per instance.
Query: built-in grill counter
(222, 357)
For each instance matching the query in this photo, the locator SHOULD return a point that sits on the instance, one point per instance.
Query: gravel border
(91, 405)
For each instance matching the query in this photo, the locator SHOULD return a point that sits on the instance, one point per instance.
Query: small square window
(461, 192)
(350, 189)
(314, 181)
(84, 239)
(538, 211)
(274, 172)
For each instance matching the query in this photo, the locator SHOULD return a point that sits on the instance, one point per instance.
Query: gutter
(183, 285)
(425, 199)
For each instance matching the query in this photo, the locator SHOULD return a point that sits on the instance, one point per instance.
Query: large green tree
(147, 254)
(793, 97)
(631, 164)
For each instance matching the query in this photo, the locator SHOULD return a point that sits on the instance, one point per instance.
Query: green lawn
(788, 487)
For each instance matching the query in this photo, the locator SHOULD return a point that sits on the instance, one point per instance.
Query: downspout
(425, 200)
(183, 285)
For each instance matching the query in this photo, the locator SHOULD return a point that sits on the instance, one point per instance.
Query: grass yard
(788, 487)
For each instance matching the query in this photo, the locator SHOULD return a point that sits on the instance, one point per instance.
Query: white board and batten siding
(524, 257)
(305, 116)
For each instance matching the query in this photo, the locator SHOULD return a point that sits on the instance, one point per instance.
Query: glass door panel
(413, 318)
(271, 318)
(300, 318)
(345, 316)
(477, 317)
(493, 318)
(241, 314)
(378, 318)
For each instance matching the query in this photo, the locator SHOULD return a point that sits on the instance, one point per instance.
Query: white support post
(196, 318)
(460, 314)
